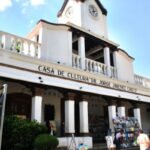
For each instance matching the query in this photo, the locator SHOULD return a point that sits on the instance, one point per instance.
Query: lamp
(41, 80)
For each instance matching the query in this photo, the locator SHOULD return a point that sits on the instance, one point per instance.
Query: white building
(72, 73)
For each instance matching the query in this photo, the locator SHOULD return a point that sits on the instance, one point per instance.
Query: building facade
(73, 74)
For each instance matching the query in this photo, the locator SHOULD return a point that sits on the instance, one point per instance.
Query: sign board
(3, 91)
(85, 79)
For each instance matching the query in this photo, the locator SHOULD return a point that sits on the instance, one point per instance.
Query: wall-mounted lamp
(80, 87)
(41, 80)
(58, 62)
(138, 98)
(119, 95)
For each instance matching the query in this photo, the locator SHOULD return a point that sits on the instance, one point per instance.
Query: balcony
(19, 45)
(142, 81)
(94, 67)
(29, 48)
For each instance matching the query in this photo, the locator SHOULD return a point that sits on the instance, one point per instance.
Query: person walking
(143, 141)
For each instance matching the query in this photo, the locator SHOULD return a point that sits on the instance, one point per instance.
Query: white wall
(53, 97)
(56, 44)
(124, 66)
(96, 25)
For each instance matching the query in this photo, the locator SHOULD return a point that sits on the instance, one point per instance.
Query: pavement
(101, 147)
(104, 147)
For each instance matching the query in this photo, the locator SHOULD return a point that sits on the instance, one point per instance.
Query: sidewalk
(104, 147)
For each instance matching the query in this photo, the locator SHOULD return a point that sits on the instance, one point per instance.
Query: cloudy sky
(128, 23)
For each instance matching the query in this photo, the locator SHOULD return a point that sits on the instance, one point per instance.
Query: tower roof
(104, 11)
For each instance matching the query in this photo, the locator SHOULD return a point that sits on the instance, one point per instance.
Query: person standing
(48, 126)
(109, 140)
(143, 141)
(119, 138)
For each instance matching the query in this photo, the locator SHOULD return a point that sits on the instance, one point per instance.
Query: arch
(19, 104)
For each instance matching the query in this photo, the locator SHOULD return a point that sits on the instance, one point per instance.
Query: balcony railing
(30, 48)
(19, 45)
(94, 66)
(142, 81)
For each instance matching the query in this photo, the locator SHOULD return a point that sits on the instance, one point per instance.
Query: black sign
(1, 99)
(1, 106)
(2, 110)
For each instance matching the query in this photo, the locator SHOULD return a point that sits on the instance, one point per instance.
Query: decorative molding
(38, 91)
(70, 96)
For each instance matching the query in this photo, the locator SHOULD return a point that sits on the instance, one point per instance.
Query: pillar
(107, 60)
(115, 63)
(81, 45)
(115, 58)
(37, 105)
(70, 114)
(84, 121)
(121, 111)
(137, 115)
(112, 115)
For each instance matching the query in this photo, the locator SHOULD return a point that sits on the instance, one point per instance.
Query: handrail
(143, 81)
(19, 45)
(94, 66)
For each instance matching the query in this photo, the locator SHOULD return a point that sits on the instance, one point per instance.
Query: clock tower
(87, 14)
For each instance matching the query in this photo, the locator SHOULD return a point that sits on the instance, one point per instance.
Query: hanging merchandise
(130, 126)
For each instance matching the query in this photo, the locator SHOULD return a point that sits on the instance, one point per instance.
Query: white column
(137, 115)
(69, 117)
(121, 111)
(84, 123)
(112, 115)
(115, 63)
(107, 59)
(37, 108)
(115, 58)
(81, 45)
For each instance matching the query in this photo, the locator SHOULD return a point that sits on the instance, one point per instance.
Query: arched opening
(19, 104)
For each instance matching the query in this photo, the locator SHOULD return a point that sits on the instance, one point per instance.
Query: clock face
(69, 12)
(93, 10)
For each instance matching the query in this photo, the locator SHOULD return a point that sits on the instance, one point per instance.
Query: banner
(3, 92)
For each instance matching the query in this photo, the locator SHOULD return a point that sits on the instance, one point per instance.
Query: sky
(128, 23)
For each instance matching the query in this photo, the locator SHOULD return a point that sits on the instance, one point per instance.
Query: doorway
(49, 112)
(19, 104)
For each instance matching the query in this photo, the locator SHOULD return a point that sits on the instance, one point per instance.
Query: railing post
(1, 44)
(90, 66)
(86, 64)
(21, 47)
(116, 75)
(29, 49)
(96, 67)
(73, 61)
(38, 50)
(99, 68)
(79, 62)
(6, 40)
